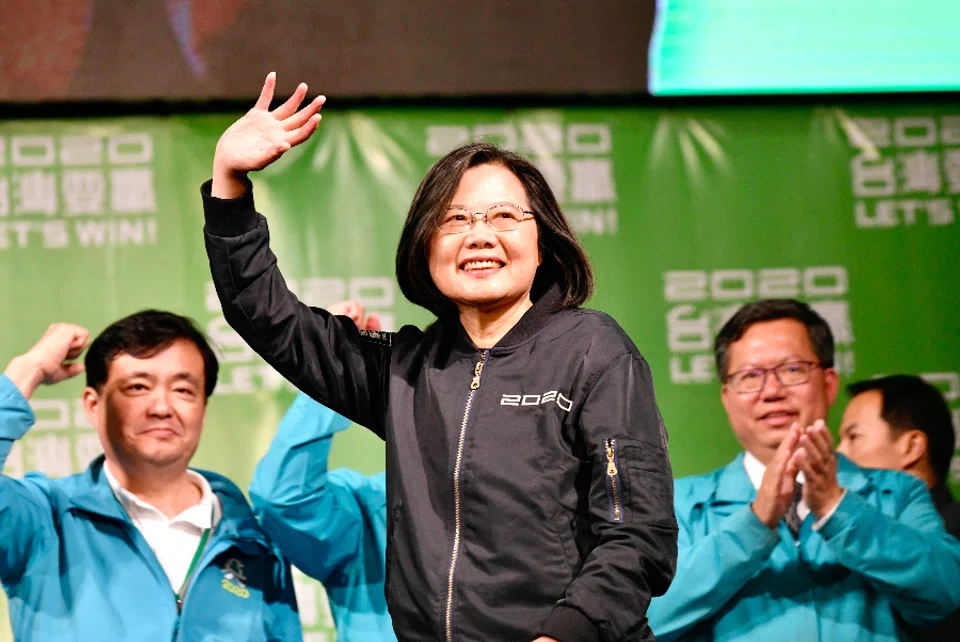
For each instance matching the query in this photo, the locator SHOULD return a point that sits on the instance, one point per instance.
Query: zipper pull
(611, 465)
(477, 370)
(610, 450)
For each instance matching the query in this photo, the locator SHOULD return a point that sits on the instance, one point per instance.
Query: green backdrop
(686, 214)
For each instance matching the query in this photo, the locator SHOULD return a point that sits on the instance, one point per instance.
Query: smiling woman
(484, 237)
(528, 486)
(487, 273)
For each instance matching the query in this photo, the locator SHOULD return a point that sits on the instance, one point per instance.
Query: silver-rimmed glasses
(501, 217)
(791, 373)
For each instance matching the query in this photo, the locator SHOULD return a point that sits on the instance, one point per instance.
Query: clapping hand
(776, 489)
(815, 457)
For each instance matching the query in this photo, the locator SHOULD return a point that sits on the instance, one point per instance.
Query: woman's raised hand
(262, 136)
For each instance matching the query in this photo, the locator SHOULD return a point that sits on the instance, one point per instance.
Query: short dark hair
(564, 261)
(772, 310)
(142, 335)
(910, 403)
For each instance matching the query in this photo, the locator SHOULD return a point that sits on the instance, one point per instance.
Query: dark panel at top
(183, 49)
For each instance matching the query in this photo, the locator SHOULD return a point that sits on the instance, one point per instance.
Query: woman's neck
(486, 326)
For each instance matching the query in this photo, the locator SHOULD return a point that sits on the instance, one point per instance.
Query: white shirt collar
(755, 470)
(203, 515)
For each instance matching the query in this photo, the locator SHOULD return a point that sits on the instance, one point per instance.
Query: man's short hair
(142, 335)
(772, 310)
(910, 403)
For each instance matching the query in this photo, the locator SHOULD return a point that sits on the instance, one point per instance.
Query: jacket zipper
(610, 447)
(202, 563)
(477, 370)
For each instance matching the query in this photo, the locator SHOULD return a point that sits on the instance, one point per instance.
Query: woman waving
(529, 489)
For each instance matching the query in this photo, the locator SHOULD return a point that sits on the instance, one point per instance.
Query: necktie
(792, 518)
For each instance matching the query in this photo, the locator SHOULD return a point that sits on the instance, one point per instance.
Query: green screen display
(804, 46)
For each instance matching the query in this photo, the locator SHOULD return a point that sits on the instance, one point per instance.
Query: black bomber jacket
(528, 485)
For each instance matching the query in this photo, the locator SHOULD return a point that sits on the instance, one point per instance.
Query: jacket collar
(851, 476)
(546, 305)
(941, 497)
(238, 521)
(733, 485)
(95, 496)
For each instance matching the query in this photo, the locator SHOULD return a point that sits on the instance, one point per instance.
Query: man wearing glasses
(790, 541)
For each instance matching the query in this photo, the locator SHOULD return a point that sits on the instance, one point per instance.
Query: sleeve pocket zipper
(613, 481)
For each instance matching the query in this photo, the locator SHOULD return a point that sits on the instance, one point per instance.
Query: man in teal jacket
(331, 525)
(789, 541)
(138, 547)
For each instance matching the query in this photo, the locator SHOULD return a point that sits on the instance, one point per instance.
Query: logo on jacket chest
(234, 578)
(538, 400)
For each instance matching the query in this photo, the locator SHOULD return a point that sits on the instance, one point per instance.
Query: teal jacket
(882, 558)
(77, 570)
(332, 525)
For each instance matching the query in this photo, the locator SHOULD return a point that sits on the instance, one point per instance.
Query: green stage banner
(686, 214)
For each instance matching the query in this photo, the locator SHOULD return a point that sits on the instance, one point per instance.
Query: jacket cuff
(228, 217)
(843, 517)
(567, 624)
(752, 534)
(820, 523)
(17, 413)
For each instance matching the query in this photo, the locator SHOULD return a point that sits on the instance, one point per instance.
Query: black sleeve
(631, 509)
(323, 355)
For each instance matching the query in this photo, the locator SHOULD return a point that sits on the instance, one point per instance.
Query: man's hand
(261, 137)
(776, 488)
(815, 457)
(50, 361)
(355, 311)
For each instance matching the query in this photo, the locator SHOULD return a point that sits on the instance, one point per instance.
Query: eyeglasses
(502, 217)
(791, 373)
